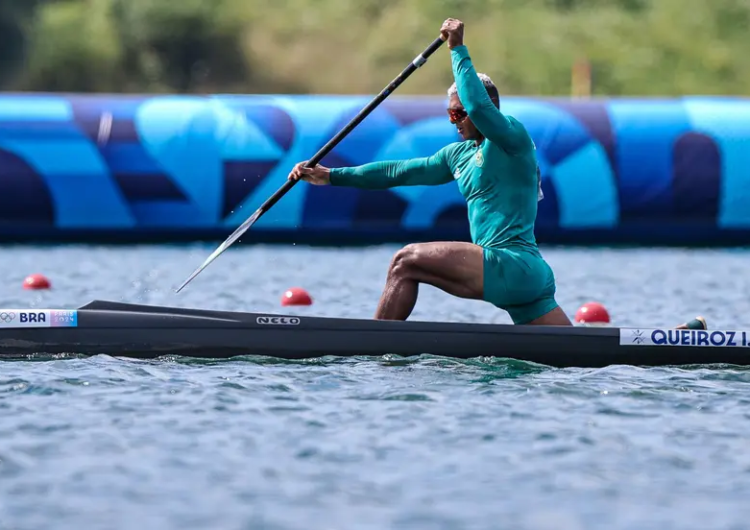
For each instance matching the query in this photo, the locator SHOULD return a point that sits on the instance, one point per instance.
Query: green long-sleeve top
(498, 177)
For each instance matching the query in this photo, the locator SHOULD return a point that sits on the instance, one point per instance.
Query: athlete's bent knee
(404, 261)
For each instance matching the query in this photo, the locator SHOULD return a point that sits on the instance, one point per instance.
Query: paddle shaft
(418, 61)
(333, 142)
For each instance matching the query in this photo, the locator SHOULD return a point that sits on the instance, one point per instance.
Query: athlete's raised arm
(431, 170)
(502, 130)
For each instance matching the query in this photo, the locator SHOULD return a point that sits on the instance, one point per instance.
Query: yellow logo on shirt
(479, 158)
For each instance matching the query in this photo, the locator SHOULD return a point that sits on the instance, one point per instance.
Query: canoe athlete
(496, 169)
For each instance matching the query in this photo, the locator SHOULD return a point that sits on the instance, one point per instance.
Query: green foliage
(73, 47)
(15, 17)
(635, 47)
(180, 46)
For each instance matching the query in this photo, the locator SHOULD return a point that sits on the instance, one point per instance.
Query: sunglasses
(457, 115)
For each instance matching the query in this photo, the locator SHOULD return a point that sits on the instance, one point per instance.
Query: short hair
(488, 84)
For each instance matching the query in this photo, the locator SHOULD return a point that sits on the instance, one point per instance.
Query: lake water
(372, 443)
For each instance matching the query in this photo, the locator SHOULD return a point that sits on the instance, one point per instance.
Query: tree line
(633, 47)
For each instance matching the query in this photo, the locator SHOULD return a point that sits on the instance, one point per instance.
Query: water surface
(372, 443)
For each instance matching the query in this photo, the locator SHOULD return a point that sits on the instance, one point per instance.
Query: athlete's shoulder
(456, 146)
(517, 126)
(518, 129)
(451, 152)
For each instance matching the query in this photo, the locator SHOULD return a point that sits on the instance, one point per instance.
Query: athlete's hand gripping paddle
(418, 61)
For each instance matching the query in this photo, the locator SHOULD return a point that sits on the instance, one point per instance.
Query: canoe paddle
(418, 61)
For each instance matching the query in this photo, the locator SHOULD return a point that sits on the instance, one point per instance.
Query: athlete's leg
(556, 317)
(454, 267)
(522, 283)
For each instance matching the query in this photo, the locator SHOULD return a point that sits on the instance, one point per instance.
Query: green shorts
(519, 282)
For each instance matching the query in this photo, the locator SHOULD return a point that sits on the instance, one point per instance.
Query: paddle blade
(225, 245)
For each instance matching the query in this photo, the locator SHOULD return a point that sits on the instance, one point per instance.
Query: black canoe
(148, 332)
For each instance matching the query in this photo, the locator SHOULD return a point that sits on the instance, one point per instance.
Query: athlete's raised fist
(453, 32)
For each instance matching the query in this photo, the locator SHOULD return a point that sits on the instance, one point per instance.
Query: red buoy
(296, 296)
(592, 313)
(36, 281)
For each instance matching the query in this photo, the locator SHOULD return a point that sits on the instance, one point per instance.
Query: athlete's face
(458, 117)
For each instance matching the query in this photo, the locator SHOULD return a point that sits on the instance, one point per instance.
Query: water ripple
(372, 443)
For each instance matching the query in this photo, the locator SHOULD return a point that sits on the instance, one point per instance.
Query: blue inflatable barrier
(126, 168)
